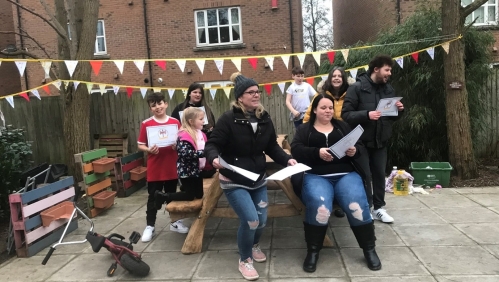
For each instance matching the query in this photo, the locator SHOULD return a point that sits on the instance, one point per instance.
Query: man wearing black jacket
(359, 107)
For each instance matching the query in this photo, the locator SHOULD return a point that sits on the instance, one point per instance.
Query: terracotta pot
(138, 173)
(62, 210)
(104, 199)
(103, 165)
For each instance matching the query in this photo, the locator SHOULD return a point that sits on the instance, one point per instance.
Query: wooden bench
(130, 174)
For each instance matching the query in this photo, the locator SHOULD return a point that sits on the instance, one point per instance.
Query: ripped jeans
(318, 193)
(251, 208)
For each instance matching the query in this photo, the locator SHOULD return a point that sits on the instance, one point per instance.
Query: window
(485, 15)
(217, 84)
(218, 26)
(100, 39)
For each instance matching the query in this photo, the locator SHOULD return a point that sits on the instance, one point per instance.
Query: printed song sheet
(340, 147)
(387, 107)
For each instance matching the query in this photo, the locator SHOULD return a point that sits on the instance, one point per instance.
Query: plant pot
(103, 165)
(138, 173)
(104, 199)
(62, 210)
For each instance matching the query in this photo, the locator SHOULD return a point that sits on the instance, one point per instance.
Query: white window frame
(221, 83)
(486, 20)
(96, 50)
(206, 27)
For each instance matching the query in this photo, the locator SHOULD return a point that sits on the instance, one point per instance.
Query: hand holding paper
(388, 106)
(340, 148)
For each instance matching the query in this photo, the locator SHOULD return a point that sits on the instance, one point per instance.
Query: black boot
(366, 239)
(314, 236)
(160, 199)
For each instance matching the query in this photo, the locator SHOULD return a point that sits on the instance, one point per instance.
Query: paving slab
(487, 200)
(448, 201)
(415, 217)
(384, 234)
(468, 278)
(474, 215)
(220, 265)
(482, 233)
(87, 267)
(436, 235)
(31, 269)
(395, 279)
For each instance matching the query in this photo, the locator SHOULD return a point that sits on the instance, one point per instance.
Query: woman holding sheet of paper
(242, 136)
(331, 179)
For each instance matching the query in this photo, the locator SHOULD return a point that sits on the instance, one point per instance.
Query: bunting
(171, 92)
(330, 56)
(237, 63)
(445, 46)
(270, 62)
(129, 92)
(200, 64)
(268, 88)
(431, 52)
(415, 56)
(253, 62)
(161, 64)
(345, 54)
(89, 87)
(400, 62)
(96, 65)
(46, 68)
(227, 92)
(102, 88)
(281, 86)
(120, 64)
(116, 89)
(285, 60)
(36, 94)
(10, 99)
(21, 66)
(353, 72)
(140, 65)
(25, 96)
(213, 92)
(143, 92)
(301, 58)
(317, 57)
(181, 64)
(71, 66)
(220, 65)
(75, 84)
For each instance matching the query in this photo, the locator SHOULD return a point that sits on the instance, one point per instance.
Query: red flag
(253, 62)
(268, 88)
(96, 65)
(25, 96)
(161, 64)
(330, 55)
(415, 56)
(129, 91)
(46, 89)
(310, 81)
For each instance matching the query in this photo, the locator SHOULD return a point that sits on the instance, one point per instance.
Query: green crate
(431, 173)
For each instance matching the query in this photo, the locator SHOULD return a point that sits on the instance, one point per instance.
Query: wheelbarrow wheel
(135, 266)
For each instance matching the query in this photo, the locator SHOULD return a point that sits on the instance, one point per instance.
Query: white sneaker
(381, 214)
(148, 234)
(179, 227)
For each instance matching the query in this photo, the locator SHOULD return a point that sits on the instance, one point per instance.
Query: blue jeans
(319, 192)
(251, 208)
(298, 122)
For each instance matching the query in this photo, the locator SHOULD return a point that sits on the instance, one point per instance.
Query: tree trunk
(457, 112)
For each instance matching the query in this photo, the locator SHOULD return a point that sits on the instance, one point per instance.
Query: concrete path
(449, 235)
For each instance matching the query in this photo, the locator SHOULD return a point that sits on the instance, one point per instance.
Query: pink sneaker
(257, 253)
(247, 270)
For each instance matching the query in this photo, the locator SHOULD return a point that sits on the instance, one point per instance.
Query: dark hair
(329, 87)
(155, 98)
(315, 103)
(380, 61)
(199, 86)
(297, 70)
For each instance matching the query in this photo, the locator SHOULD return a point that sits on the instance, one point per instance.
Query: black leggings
(192, 188)
(169, 186)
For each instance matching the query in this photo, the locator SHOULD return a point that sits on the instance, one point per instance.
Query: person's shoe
(373, 262)
(339, 213)
(160, 198)
(148, 234)
(382, 215)
(179, 227)
(247, 270)
(257, 253)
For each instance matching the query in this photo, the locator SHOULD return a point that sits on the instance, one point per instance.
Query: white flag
(285, 60)
(71, 65)
(431, 52)
(354, 73)
(140, 65)
(366, 68)
(270, 62)
(57, 84)
(116, 89)
(143, 91)
(120, 64)
(400, 61)
(345, 54)
(317, 57)
(200, 64)
(220, 65)
(10, 99)
(227, 92)
(213, 92)
(281, 86)
(89, 87)
(75, 84)
(237, 63)
(324, 77)
(181, 64)
(446, 47)
(35, 92)
(301, 58)
(46, 67)
(102, 88)
(171, 92)
(21, 66)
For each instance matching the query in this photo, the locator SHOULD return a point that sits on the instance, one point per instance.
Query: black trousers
(168, 186)
(192, 188)
(377, 166)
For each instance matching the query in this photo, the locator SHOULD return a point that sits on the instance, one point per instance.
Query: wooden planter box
(62, 210)
(103, 165)
(104, 199)
(138, 173)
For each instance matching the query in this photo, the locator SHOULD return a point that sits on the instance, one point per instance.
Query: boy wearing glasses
(298, 96)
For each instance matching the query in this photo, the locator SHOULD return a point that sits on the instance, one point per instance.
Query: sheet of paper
(387, 106)
(340, 147)
(288, 171)
(181, 113)
(241, 171)
(162, 135)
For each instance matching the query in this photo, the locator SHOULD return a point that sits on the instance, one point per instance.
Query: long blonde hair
(258, 112)
(191, 113)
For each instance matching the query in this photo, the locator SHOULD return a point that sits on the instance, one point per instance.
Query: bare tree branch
(465, 11)
(25, 34)
(18, 53)
(60, 28)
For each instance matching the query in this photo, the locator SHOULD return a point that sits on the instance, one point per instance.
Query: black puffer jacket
(234, 140)
(362, 97)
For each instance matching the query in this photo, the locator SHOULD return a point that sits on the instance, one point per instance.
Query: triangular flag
(161, 64)
(200, 64)
(237, 63)
(21, 66)
(46, 89)
(71, 65)
(10, 99)
(171, 92)
(415, 56)
(120, 64)
(156, 90)
(25, 96)
(129, 91)
(431, 52)
(354, 73)
(285, 60)
(400, 61)
(57, 84)
(89, 87)
(181, 64)
(96, 65)
(102, 88)
(317, 57)
(220, 65)
(270, 62)
(36, 94)
(143, 91)
(310, 81)
(116, 89)
(140, 65)
(227, 92)
(324, 77)
(75, 84)
(281, 86)
(446, 47)
(301, 58)
(345, 52)
(253, 62)
(268, 88)
(366, 68)
(46, 67)
(213, 92)
(330, 56)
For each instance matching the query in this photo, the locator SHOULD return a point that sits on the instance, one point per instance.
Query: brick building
(9, 76)
(145, 29)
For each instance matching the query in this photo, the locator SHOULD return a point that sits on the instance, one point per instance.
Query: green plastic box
(431, 173)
